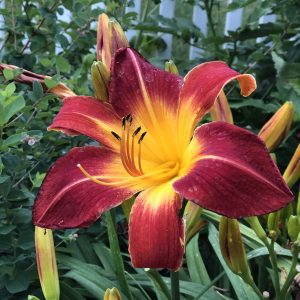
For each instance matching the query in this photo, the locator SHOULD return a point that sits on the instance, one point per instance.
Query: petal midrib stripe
(241, 167)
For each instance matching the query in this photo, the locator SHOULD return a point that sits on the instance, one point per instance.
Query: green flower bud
(232, 248)
(293, 228)
(46, 262)
(171, 67)
(100, 78)
(112, 294)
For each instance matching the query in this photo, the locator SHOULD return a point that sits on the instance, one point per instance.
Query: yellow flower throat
(131, 156)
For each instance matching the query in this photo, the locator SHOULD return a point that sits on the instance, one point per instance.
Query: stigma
(131, 146)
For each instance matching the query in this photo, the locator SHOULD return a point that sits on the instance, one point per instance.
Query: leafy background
(35, 38)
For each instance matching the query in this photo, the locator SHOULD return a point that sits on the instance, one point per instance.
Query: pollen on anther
(142, 137)
(116, 135)
(136, 131)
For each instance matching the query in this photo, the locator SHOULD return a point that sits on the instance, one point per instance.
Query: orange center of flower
(131, 141)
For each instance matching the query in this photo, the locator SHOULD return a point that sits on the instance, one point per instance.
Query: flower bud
(232, 248)
(293, 227)
(46, 263)
(27, 77)
(171, 67)
(194, 223)
(100, 78)
(110, 37)
(273, 221)
(277, 128)
(112, 294)
(221, 110)
(292, 172)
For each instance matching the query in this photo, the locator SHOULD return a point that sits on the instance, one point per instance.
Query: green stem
(116, 255)
(256, 289)
(256, 226)
(175, 295)
(158, 281)
(273, 260)
(143, 19)
(207, 287)
(292, 273)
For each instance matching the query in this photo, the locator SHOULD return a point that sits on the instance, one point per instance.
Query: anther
(123, 122)
(136, 131)
(142, 137)
(116, 135)
(128, 117)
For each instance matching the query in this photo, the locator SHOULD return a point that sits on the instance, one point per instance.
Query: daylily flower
(151, 149)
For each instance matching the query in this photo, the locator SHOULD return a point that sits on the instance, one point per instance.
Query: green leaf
(196, 267)
(10, 89)
(37, 90)
(13, 140)
(62, 64)
(19, 283)
(243, 290)
(8, 74)
(5, 229)
(50, 83)
(10, 107)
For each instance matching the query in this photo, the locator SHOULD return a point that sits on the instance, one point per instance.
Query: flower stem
(256, 226)
(158, 281)
(175, 295)
(143, 19)
(292, 273)
(273, 260)
(116, 255)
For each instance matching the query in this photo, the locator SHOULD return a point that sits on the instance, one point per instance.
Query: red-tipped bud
(110, 37)
(277, 128)
(60, 90)
(292, 172)
(46, 262)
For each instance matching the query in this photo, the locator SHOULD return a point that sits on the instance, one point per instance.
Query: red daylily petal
(201, 87)
(149, 94)
(68, 199)
(139, 88)
(88, 116)
(232, 173)
(156, 233)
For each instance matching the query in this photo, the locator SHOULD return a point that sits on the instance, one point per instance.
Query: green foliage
(38, 39)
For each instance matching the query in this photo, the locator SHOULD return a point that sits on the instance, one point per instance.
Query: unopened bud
(221, 110)
(194, 223)
(62, 91)
(110, 37)
(28, 77)
(112, 294)
(292, 172)
(273, 221)
(293, 228)
(171, 67)
(100, 77)
(232, 248)
(46, 263)
(277, 128)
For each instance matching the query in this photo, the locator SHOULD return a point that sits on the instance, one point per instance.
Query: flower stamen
(165, 171)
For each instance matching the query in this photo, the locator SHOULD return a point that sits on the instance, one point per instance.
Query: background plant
(36, 38)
